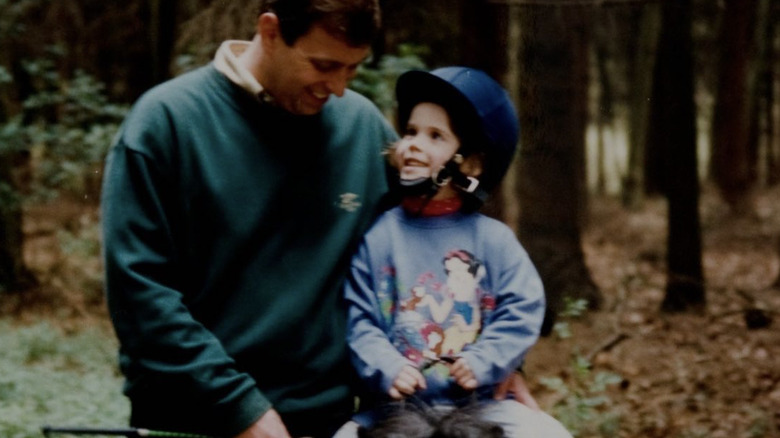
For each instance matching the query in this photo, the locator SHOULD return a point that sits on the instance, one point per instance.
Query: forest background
(645, 189)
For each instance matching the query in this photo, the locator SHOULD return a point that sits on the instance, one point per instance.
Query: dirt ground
(681, 375)
(678, 375)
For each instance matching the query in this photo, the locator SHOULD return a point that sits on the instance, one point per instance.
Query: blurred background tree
(673, 124)
(625, 98)
(551, 186)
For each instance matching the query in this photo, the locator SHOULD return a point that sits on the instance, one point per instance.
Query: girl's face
(427, 144)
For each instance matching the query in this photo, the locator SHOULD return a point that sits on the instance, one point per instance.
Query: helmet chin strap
(450, 171)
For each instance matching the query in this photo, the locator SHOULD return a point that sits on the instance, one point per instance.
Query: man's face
(302, 77)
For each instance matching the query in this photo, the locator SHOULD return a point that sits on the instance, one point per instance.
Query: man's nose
(338, 82)
(337, 85)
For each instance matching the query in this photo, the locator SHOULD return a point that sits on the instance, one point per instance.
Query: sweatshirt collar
(226, 62)
(424, 207)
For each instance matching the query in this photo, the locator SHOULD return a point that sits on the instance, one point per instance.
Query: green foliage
(5, 76)
(10, 12)
(70, 127)
(761, 423)
(9, 198)
(47, 377)
(585, 408)
(572, 309)
(55, 140)
(66, 126)
(378, 84)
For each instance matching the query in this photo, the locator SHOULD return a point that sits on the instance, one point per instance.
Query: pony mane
(412, 421)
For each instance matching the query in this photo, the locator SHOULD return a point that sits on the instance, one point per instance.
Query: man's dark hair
(418, 422)
(356, 22)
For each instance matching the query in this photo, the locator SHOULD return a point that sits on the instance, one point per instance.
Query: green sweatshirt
(228, 227)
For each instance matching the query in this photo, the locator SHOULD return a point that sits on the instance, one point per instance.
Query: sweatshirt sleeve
(513, 326)
(167, 356)
(374, 357)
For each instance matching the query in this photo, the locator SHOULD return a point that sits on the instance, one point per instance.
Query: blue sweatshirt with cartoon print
(425, 288)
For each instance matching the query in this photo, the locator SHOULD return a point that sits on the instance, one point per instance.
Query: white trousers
(518, 421)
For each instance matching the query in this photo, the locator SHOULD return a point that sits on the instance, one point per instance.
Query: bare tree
(551, 181)
(162, 36)
(674, 141)
(773, 71)
(14, 274)
(777, 279)
(732, 167)
(642, 46)
(762, 129)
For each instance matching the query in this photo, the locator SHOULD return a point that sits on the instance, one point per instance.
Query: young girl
(443, 301)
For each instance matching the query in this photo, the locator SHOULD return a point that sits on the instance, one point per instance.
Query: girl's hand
(461, 372)
(407, 382)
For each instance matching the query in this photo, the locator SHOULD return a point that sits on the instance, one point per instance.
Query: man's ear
(472, 165)
(268, 29)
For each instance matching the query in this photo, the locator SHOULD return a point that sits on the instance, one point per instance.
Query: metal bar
(128, 432)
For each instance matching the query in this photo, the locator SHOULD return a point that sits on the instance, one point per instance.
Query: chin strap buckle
(442, 177)
(473, 183)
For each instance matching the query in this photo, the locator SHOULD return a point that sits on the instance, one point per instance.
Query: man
(233, 199)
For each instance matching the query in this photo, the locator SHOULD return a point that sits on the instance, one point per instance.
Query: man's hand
(515, 384)
(270, 425)
(407, 382)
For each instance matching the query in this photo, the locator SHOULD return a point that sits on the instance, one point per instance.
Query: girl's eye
(410, 132)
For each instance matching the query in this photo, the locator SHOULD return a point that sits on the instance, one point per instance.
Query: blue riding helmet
(481, 114)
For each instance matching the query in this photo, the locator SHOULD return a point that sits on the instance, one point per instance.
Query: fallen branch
(607, 345)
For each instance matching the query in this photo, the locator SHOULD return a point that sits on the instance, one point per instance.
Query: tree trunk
(777, 279)
(760, 96)
(602, 108)
(676, 135)
(162, 37)
(551, 181)
(14, 275)
(642, 47)
(731, 158)
(772, 96)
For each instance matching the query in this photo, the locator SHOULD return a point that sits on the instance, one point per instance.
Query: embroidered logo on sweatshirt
(349, 202)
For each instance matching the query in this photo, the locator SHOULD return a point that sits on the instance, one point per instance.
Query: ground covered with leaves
(625, 371)
(630, 370)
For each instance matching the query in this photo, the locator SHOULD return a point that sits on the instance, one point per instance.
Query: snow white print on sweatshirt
(438, 318)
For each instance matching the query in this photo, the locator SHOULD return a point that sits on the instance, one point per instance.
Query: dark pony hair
(412, 421)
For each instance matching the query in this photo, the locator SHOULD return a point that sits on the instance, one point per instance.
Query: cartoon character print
(435, 318)
(464, 273)
(418, 295)
(409, 334)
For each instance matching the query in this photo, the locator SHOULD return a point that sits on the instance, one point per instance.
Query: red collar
(424, 207)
